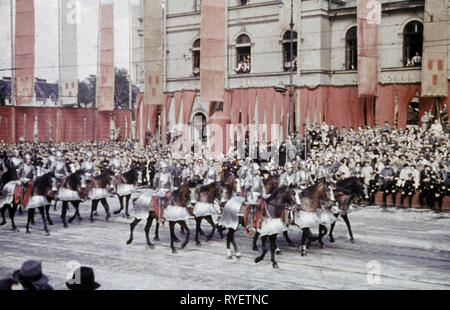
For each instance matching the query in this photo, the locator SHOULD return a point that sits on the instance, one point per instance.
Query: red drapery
(177, 101)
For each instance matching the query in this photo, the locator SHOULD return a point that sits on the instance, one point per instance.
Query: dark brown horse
(347, 191)
(125, 188)
(42, 187)
(312, 199)
(70, 191)
(98, 189)
(9, 199)
(178, 199)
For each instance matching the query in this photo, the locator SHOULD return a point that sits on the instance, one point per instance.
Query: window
(351, 49)
(287, 56)
(196, 57)
(243, 54)
(242, 2)
(412, 44)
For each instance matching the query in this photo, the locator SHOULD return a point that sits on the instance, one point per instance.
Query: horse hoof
(91, 220)
(156, 239)
(2, 223)
(198, 243)
(47, 233)
(117, 212)
(352, 240)
(278, 251)
(183, 245)
(209, 238)
(66, 226)
(238, 255)
(71, 220)
(15, 229)
(151, 246)
(255, 248)
(331, 239)
(258, 259)
(129, 242)
(176, 240)
(275, 265)
(28, 232)
(50, 223)
(174, 251)
(128, 216)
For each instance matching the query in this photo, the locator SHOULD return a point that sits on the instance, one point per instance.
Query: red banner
(369, 15)
(212, 66)
(106, 71)
(24, 52)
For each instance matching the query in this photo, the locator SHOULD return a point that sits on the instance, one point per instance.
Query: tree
(86, 91)
(122, 89)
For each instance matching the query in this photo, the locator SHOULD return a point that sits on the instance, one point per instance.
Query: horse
(42, 188)
(70, 191)
(176, 212)
(309, 202)
(271, 185)
(125, 187)
(269, 216)
(347, 191)
(205, 206)
(98, 190)
(10, 198)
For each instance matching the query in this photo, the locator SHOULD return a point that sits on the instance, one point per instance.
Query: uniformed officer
(425, 187)
(386, 178)
(407, 189)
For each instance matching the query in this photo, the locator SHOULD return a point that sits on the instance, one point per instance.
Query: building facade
(324, 56)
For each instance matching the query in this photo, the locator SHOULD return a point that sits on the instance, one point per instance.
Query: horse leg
(76, 204)
(211, 222)
(289, 241)
(44, 220)
(12, 212)
(127, 203)
(332, 228)
(93, 208)
(106, 206)
(220, 230)
(2, 212)
(172, 234)
(156, 231)
(65, 205)
(148, 225)
(121, 205)
(47, 214)
(273, 246)
(255, 239)
(347, 222)
(188, 233)
(74, 215)
(132, 227)
(260, 258)
(305, 235)
(322, 232)
(198, 221)
(229, 239)
(30, 214)
(237, 252)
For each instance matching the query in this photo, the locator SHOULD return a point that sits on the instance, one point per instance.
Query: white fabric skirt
(326, 217)
(204, 209)
(176, 213)
(142, 205)
(306, 219)
(272, 226)
(37, 201)
(8, 193)
(125, 189)
(230, 218)
(65, 194)
(98, 193)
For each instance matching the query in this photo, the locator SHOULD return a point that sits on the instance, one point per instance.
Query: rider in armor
(254, 186)
(60, 168)
(163, 184)
(288, 177)
(16, 161)
(210, 174)
(115, 164)
(187, 174)
(28, 171)
(89, 168)
(303, 177)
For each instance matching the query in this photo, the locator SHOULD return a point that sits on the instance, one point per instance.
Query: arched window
(412, 44)
(243, 54)
(242, 2)
(287, 56)
(196, 57)
(351, 49)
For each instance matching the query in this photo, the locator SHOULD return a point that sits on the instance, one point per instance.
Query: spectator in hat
(28, 277)
(83, 279)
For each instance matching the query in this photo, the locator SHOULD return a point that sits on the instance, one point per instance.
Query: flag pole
(13, 51)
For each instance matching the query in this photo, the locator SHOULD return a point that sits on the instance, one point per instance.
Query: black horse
(42, 187)
(347, 191)
(125, 187)
(98, 190)
(10, 199)
(70, 191)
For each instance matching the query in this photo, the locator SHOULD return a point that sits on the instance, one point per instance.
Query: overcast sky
(46, 44)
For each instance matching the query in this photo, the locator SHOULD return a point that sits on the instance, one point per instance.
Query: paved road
(410, 247)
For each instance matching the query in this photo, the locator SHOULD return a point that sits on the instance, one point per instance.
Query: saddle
(27, 194)
(254, 213)
(155, 205)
